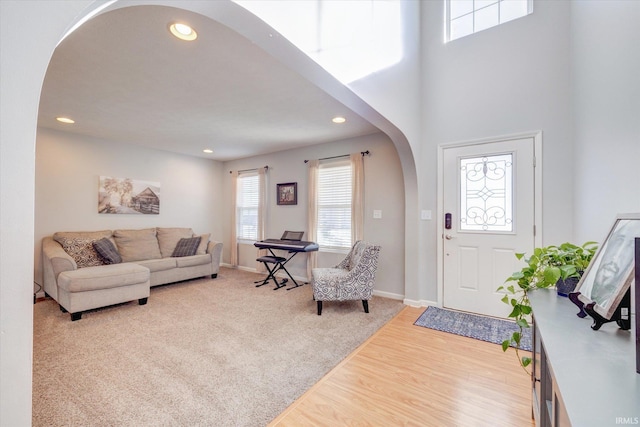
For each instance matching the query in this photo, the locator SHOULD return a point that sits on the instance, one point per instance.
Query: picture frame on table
(611, 271)
(287, 193)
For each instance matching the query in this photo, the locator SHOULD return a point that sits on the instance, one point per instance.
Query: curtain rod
(249, 170)
(364, 153)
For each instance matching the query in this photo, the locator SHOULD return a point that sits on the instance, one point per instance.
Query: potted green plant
(544, 269)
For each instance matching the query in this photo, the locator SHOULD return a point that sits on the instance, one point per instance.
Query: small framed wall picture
(288, 193)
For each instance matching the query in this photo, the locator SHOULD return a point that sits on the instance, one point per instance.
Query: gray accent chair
(352, 279)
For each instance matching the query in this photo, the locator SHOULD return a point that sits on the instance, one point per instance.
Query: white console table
(582, 377)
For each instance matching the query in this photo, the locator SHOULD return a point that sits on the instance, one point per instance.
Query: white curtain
(234, 237)
(312, 214)
(357, 197)
(262, 216)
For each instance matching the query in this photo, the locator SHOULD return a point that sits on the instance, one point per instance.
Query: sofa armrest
(55, 260)
(215, 249)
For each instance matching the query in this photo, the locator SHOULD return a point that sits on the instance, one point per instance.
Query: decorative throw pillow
(79, 245)
(168, 238)
(107, 251)
(204, 242)
(186, 247)
(137, 245)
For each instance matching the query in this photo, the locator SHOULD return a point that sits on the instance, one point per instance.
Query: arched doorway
(25, 75)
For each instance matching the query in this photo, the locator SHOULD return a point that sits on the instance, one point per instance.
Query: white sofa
(80, 279)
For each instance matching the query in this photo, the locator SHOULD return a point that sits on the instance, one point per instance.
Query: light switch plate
(425, 215)
(377, 214)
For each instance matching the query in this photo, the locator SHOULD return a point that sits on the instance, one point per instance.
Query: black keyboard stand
(278, 264)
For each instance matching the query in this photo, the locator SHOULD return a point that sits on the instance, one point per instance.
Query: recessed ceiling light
(66, 120)
(338, 119)
(183, 31)
(207, 150)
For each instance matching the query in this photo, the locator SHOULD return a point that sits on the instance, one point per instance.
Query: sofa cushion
(204, 242)
(168, 238)
(103, 277)
(161, 264)
(186, 247)
(136, 245)
(107, 251)
(190, 261)
(79, 245)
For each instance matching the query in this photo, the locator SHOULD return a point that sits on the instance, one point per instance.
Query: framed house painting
(287, 193)
(128, 196)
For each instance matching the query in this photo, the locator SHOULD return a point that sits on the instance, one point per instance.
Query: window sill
(342, 251)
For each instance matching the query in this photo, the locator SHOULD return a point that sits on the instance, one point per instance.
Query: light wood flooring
(407, 375)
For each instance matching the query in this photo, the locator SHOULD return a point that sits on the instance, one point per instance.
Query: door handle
(448, 236)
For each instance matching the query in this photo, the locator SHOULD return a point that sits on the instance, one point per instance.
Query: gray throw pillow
(186, 247)
(107, 251)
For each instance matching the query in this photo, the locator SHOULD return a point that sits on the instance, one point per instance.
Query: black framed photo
(288, 193)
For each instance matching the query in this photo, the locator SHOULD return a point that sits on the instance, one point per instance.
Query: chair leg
(365, 304)
(319, 307)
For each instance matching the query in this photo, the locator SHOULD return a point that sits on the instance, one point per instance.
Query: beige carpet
(201, 353)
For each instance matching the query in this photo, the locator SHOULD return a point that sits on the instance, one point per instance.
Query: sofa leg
(319, 307)
(214, 275)
(142, 301)
(365, 304)
(76, 316)
(62, 309)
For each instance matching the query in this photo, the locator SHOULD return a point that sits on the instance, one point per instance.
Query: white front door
(488, 195)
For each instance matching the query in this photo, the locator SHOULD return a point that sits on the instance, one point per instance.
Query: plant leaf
(515, 312)
(550, 276)
(516, 338)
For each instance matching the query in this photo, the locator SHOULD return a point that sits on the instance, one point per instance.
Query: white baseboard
(300, 279)
(388, 295)
(281, 275)
(420, 303)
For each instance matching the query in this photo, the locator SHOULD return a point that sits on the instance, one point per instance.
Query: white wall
(509, 79)
(29, 32)
(196, 193)
(68, 168)
(384, 190)
(606, 83)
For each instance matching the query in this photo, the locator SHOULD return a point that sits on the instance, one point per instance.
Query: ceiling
(123, 77)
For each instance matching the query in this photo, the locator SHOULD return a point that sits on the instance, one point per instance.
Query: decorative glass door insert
(486, 193)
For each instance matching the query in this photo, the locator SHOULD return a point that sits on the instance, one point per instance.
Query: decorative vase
(564, 287)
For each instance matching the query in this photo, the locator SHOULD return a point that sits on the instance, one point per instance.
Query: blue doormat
(473, 326)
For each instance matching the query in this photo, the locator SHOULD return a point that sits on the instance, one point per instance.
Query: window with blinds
(247, 202)
(334, 205)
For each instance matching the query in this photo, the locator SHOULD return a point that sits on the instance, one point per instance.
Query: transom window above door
(465, 17)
